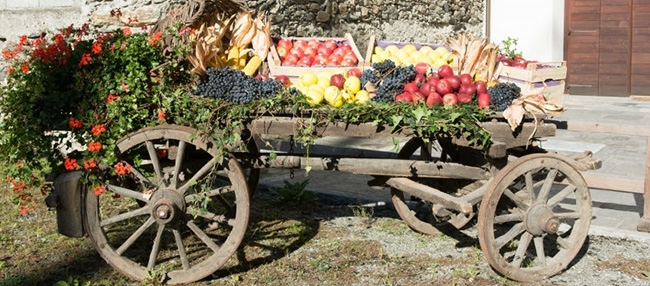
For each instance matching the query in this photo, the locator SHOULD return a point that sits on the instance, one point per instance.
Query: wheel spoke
(179, 161)
(210, 216)
(539, 248)
(518, 202)
(181, 249)
(134, 236)
(546, 188)
(154, 161)
(143, 180)
(508, 236)
(218, 191)
(561, 195)
(156, 247)
(520, 254)
(202, 236)
(198, 175)
(124, 216)
(572, 215)
(508, 218)
(563, 243)
(530, 188)
(126, 192)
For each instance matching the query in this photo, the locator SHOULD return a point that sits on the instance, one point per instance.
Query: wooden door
(581, 45)
(598, 47)
(640, 72)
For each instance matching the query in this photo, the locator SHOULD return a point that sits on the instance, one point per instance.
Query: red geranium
(70, 164)
(98, 129)
(94, 146)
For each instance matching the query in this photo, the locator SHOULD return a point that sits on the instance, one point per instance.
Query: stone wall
(430, 21)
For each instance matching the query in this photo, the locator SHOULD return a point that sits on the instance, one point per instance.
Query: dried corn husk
(534, 103)
(241, 29)
(476, 57)
(262, 40)
(204, 55)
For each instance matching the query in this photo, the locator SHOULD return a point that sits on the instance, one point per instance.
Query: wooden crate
(535, 72)
(553, 90)
(374, 42)
(293, 72)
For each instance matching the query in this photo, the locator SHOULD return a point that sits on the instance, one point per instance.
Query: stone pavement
(615, 214)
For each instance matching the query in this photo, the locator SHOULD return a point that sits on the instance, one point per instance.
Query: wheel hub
(168, 205)
(540, 219)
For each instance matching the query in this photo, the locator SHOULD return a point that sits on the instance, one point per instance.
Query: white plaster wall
(537, 24)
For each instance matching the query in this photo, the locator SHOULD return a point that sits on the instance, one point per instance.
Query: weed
(154, 277)
(320, 264)
(472, 271)
(295, 192)
(646, 273)
(364, 213)
(72, 282)
(509, 47)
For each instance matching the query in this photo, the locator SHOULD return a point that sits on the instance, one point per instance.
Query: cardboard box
(277, 68)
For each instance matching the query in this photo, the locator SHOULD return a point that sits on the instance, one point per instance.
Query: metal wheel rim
(196, 260)
(532, 227)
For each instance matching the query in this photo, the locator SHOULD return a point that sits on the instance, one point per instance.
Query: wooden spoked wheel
(534, 217)
(180, 214)
(417, 213)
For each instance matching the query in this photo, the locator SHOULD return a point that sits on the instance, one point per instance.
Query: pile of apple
(315, 53)
(517, 61)
(333, 88)
(444, 87)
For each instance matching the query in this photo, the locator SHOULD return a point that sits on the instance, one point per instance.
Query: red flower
(111, 98)
(25, 67)
(98, 190)
(125, 87)
(155, 38)
(94, 146)
(23, 210)
(126, 31)
(161, 115)
(121, 168)
(90, 164)
(70, 164)
(10, 70)
(6, 54)
(85, 60)
(98, 129)
(75, 123)
(97, 47)
(122, 46)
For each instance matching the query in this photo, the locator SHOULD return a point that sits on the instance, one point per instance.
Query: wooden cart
(183, 209)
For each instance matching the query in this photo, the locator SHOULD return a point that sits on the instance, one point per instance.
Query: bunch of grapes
(393, 80)
(369, 75)
(502, 94)
(235, 86)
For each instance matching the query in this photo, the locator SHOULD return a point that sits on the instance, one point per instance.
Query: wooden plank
(430, 194)
(501, 132)
(601, 127)
(614, 68)
(640, 79)
(608, 182)
(642, 58)
(612, 79)
(640, 69)
(613, 90)
(646, 185)
(640, 89)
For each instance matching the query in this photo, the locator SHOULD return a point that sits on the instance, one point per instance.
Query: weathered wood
(371, 166)
(644, 223)
(430, 194)
(501, 132)
(609, 182)
(601, 127)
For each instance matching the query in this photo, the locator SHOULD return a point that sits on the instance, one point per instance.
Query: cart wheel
(252, 174)
(180, 216)
(419, 214)
(535, 217)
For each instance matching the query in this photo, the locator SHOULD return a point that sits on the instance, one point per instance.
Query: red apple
(454, 82)
(339, 51)
(335, 58)
(337, 80)
(422, 68)
(464, 98)
(286, 43)
(481, 86)
(450, 99)
(313, 44)
(348, 62)
(283, 79)
(319, 60)
(519, 62)
(465, 78)
(434, 99)
(445, 71)
(262, 77)
(345, 46)
(467, 88)
(354, 72)
(330, 44)
(298, 51)
(282, 51)
(443, 87)
(310, 51)
(411, 87)
(291, 60)
(420, 79)
(427, 88)
(484, 99)
(300, 43)
(416, 97)
(434, 74)
(404, 96)
(433, 80)
(323, 50)
(306, 61)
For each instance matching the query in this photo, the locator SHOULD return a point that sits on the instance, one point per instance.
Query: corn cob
(252, 65)
(233, 57)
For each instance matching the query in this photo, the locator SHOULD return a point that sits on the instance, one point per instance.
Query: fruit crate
(293, 71)
(553, 90)
(535, 72)
(374, 42)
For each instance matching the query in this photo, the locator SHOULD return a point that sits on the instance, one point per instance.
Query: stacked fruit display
(410, 55)
(444, 87)
(334, 89)
(308, 53)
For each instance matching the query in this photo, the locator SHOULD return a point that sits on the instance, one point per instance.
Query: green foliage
(72, 282)
(508, 47)
(295, 192)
